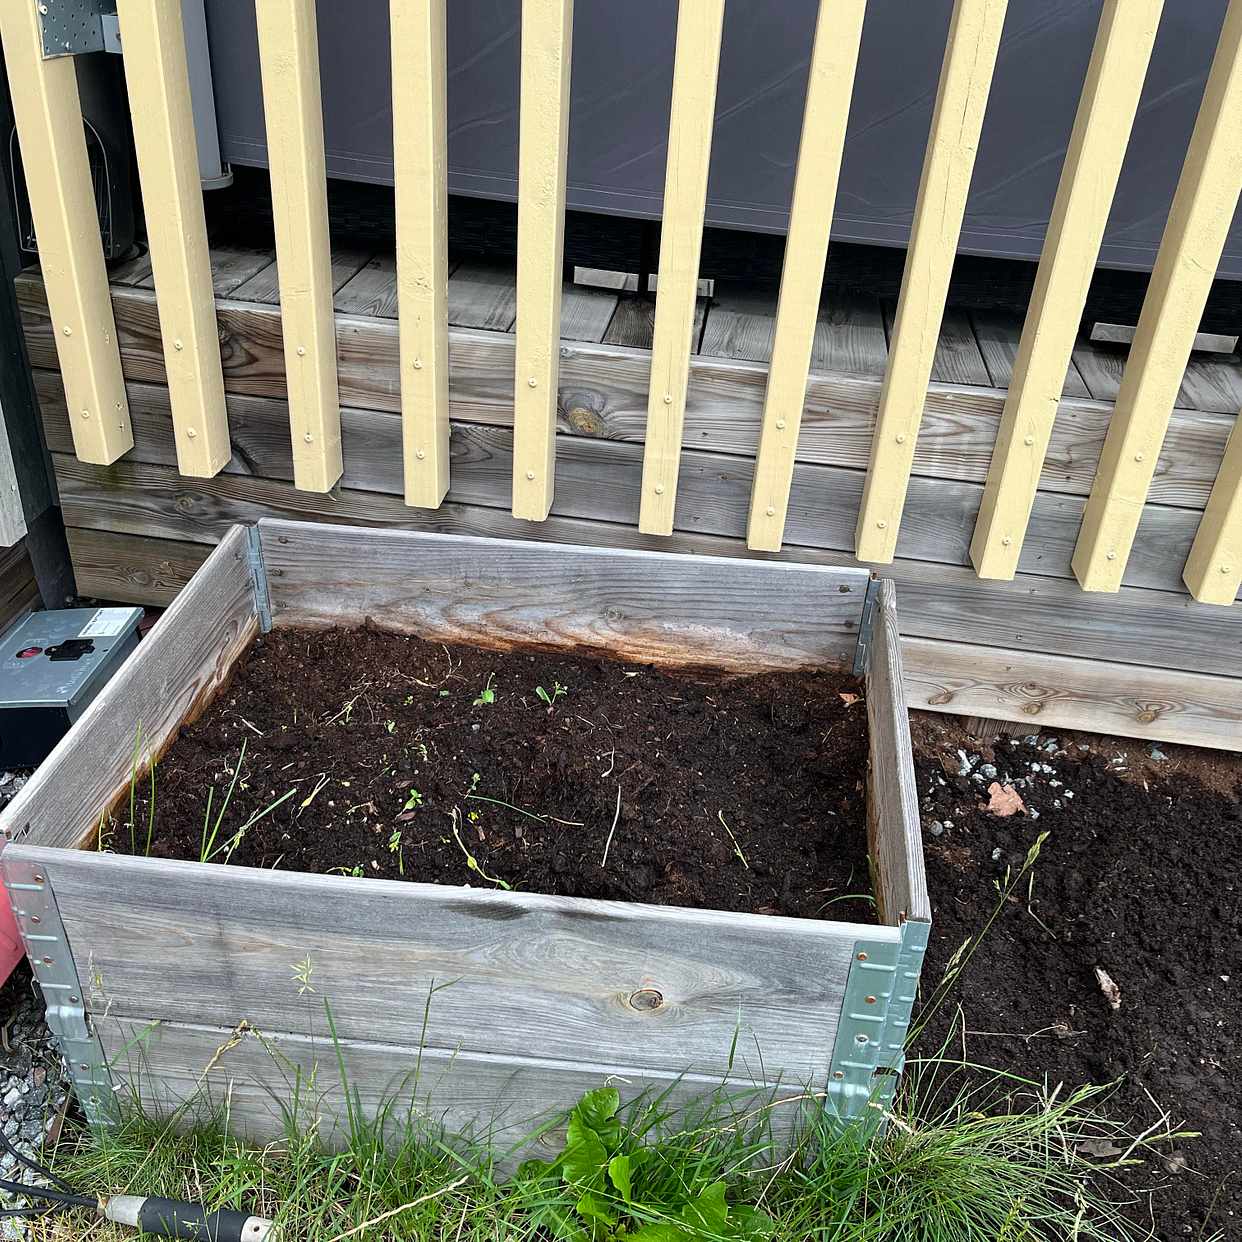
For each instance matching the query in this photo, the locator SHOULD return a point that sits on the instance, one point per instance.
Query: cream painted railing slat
(1214, 567)
(965, 80)
(547, 38)
(1194, 238)
(48, 112)
(289, 63)
(156, 75)
(420, 142)
(699, 26)
(1097, 147)
(834, 58)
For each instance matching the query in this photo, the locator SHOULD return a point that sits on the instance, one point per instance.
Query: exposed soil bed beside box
(742, 794)
(1140, 878)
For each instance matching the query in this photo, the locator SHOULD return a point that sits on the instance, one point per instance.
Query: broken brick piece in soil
(377, 754)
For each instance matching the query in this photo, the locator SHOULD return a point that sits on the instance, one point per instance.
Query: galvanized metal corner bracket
(870, 1052)
(47, 946)
(74, 27)
(258, 576)
(866, 625)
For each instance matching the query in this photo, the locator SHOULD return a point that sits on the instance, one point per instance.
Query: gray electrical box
(52, 664)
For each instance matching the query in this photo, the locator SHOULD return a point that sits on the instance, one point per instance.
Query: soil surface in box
(1139, 877)
(545, 772)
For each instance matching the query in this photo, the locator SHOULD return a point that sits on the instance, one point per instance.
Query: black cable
(48, 1194)
(35, 1167)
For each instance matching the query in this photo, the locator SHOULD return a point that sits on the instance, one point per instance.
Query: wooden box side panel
(267, 1079)
(175, 670)
(656, 607)
(894, 828)
(455, 969)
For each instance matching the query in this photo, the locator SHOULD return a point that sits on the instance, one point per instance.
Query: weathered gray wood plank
(600, 479)
(1026, 689)
(608, 385)
(176, 668)
(19, 592)
(1063, 692)
(940, 601)
(263, 288)
(958, 358)
(645, 606)
(132, 569)
(483, 295)
(502, 1099)
(1213, 385)
(513, 973)
(894, 826)
(998, 334)
(633, 323)
(372, 291)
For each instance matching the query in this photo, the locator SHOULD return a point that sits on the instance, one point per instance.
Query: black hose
(49, 1195)
(35, 1167)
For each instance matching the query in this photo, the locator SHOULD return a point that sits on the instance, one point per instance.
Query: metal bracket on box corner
(258, 576)
(880, 992)
(866, 625)
(38, 919)
(74, 27)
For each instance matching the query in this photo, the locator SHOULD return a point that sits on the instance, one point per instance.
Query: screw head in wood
(838, 1074)
(770, 511)
(530, 476)
(178, 346)
(1224, 569)
(1112, 556)
(860, 1038)
(659, 489)
(86, 413)
(301, 351)
(420, 454)
(533, 382)
(190, 432)
(418, 364)
(862, 957)
(75, 1000)
(646, 998)
(1028, 440)
(1006, 541)
(310, 439)
(68, 331)
(780, 424)
(882, 524)
(901, 439)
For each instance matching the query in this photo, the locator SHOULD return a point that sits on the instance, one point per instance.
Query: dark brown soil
(409, 759)
(1140, 877)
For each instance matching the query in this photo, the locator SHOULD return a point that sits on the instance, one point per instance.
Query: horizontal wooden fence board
(262, 1075)
(938, 601)
(644, 606)
(1032, 688)
(512, 972)
(600, 479)
(604, 395)
(263, 287)
(132, 569)
(19, 592)
(1063, 692)
(175, 669)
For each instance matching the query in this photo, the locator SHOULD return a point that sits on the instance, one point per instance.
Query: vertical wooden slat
(1092, 166)
(48, 112)
(420, 140)
(158, 83)
(1214, 568)
(547, 36)
(699, 25)
(289, 60)
(834, 58)
(965, 79)
(1199, 220)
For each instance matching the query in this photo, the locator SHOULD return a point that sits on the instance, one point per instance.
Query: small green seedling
(558, 692)
(487, 696)
(394, 847)
(357, 871)
(471, 861)
(390, 725)
(414, 800)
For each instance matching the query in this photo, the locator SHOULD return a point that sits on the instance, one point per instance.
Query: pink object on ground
(11, 948)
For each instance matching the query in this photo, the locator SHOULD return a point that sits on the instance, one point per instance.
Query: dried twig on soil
(615, 820)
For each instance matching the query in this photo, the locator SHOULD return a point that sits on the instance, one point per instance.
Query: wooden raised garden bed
(490, 1009)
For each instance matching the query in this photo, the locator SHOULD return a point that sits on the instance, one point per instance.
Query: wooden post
(1199, 220)
(48, 112)
(699, 25)
(838, 32)
(965, 79)
(289, 60)
(420, 140)
(1214, 568)
(547, 36)
(1093, 162)
(156, 75)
